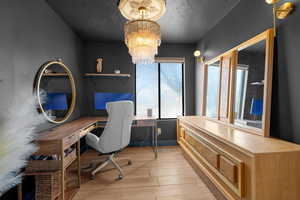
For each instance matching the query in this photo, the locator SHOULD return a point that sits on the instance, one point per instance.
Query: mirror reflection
(212, 92)
(249, 91)
(55, 92)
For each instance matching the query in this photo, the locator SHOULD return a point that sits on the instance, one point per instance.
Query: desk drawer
(87, 130)
(50, 165)
(72, 139)
(143, 123)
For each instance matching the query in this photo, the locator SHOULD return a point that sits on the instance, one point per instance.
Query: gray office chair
(116, 135)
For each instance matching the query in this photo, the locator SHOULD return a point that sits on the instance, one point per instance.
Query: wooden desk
(57, 140)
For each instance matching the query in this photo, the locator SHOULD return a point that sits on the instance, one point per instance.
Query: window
(147, 89)
(159, 87)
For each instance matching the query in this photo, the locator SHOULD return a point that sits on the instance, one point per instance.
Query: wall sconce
(280, 12)
(198, 56)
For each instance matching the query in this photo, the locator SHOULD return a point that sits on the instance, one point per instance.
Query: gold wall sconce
(198, 56)
(281, 11)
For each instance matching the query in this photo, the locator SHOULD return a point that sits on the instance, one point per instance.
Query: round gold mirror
(56, 93)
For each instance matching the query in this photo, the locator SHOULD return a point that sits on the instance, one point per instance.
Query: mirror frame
(36, 90)
(268, 36)
(204, 89)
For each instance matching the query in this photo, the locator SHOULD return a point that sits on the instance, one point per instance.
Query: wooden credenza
(240, 165)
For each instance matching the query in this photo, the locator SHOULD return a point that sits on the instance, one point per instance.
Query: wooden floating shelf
(55, 74)
(106, 75)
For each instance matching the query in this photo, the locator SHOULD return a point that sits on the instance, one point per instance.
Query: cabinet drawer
(181, 132)
(229, 169)
(204, 150)
(72, 139)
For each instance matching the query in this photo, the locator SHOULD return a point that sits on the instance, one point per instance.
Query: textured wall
(31, 34)
(246, 20)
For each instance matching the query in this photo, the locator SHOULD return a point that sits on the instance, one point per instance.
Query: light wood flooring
(168, 178)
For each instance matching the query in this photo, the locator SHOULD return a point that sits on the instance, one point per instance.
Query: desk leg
(78, 164)
(155, 140)
(62, 183)
(20, 191)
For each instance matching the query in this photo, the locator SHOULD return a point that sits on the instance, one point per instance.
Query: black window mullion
(182, 87)
(135, 103)
(159, 90)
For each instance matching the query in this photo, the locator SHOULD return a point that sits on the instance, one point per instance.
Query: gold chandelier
(142, 33)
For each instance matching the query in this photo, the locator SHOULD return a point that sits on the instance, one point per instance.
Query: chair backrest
(117, 132)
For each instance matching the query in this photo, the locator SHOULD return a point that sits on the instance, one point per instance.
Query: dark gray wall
(246, 20)
(31, 34)
(116, 56)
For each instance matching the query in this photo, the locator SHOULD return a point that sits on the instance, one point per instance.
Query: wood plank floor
(168, 178)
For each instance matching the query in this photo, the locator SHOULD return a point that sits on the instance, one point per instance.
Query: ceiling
(185, 21)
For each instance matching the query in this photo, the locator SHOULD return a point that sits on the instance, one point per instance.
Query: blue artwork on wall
(101, 98)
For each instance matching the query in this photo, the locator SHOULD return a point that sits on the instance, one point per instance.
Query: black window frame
(159, 89)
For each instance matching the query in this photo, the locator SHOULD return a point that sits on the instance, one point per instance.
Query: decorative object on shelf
(198, 56)
(142, 33)
(17, 130)
(149, 112)
(280, 12)
(48, 71)
(99, 66)
(117, 71)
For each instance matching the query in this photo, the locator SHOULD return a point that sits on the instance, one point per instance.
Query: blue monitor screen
(56, 101)
(101, 98)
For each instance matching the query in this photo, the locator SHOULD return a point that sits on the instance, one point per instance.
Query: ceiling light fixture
(142, 33)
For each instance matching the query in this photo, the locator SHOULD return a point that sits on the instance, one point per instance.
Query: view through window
(213, 77)
(240, 91)
(159, 87)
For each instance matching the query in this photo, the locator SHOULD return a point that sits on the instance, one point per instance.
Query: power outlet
(158, 131)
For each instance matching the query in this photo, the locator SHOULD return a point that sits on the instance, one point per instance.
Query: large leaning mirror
(237, 85)
(55, 89)
(249, 90)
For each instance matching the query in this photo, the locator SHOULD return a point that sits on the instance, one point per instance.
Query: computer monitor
(101, 98)
(56, 101)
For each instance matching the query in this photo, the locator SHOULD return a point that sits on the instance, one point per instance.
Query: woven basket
(47, 186)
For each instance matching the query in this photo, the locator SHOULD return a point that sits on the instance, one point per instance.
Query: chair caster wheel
(129, 162)
(93, 177)
(120, 178)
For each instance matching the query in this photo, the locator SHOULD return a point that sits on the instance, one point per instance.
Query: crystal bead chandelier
(142, 33)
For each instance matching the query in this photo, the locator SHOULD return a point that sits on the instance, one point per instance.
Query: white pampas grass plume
(17, 131)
